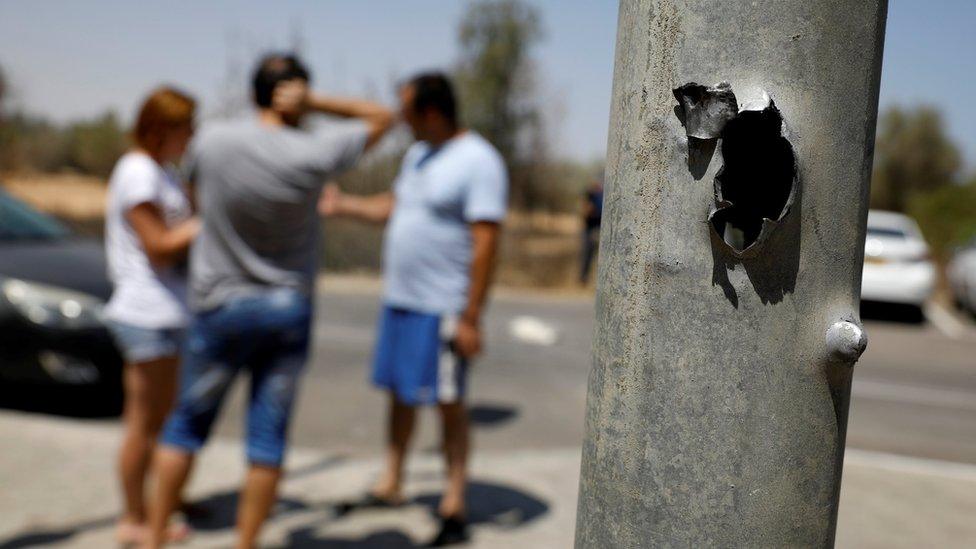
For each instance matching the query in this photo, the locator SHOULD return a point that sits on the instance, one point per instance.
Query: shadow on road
(219, 511)
(215, 512)
(40, 538)
(892, 312)
(304, 538)
(488, 503)
(491, 415)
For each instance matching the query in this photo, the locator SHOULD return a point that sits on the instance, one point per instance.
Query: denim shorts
(139, 344)
(266, 334)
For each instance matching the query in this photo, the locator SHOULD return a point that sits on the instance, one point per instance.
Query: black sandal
(454, 531)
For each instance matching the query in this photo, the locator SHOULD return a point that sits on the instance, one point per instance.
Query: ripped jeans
(266, 334)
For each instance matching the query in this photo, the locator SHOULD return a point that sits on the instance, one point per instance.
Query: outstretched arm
(374, 208)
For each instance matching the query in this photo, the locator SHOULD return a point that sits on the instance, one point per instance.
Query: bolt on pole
(739, 159)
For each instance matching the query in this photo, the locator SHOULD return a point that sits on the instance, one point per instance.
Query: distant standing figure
(149, 225)
(592, 216)
(444, 213)
(3, 89)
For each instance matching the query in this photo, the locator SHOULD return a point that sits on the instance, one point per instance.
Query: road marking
(912, 465)
(529, 329)
(913, 394)
(944, 321)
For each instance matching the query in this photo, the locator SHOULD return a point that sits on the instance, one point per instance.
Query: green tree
(30, 143)
(913, 155)
(93, 146)
(496, 87)
(3, 90)
(947, 216)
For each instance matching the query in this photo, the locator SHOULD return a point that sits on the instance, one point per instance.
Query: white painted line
(914, 394)
(529, 329)
(944, 321)
(911, 465)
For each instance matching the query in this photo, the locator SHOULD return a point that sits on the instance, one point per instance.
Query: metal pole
(740, 154)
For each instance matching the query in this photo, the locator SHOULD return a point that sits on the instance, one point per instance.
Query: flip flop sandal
(178, 533)
(132, 535)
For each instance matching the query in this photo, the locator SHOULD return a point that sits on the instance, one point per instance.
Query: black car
(56, 355)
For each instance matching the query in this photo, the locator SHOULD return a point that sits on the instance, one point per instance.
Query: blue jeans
(268, 335)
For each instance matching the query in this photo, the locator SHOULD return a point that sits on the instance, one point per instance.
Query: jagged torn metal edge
(704, 112)
(768, 225)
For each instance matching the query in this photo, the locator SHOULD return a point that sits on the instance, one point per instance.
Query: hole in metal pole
(756, 183)
(758, 180)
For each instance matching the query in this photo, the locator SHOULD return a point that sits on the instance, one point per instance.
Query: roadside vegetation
(918, 169)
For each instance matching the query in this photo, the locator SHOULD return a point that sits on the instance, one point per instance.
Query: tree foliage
(93, 146)
(947, 216)
(496, 86)
(917, 170)
(28, 142)
(34, 144)
(913, 155)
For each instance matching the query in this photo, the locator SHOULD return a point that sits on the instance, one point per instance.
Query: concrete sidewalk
(57, 490)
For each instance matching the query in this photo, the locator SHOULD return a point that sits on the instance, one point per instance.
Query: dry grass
(545, 222)
(70, 196)
(538, 249)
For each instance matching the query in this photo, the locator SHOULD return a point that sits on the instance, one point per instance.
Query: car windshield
(886, 232)
(18, 221)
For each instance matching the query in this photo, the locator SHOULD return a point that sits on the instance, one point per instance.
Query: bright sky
(68, 59)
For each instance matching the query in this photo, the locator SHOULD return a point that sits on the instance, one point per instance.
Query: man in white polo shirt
(444, 213)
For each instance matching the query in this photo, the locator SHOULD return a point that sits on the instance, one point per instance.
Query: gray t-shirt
(439, 193)
(257, 188)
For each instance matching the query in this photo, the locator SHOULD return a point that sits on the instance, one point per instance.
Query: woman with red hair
(149, 225)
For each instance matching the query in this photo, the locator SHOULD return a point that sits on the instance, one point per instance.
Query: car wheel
(65, 387)
(914, 314)
(90, 401)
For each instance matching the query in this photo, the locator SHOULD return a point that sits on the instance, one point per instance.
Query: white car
(962, 277)
(897, 266)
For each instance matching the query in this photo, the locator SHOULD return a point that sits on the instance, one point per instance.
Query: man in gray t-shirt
(251, 274)
(257, 186)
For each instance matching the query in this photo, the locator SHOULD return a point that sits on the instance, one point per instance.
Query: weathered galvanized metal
(739, 159)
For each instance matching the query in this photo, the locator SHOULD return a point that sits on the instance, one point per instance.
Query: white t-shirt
(145, 295)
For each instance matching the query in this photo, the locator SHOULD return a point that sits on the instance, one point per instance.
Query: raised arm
(379, 118)
(294, 97)
(374, 208)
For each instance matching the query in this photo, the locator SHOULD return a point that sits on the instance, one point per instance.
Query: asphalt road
(914, 389)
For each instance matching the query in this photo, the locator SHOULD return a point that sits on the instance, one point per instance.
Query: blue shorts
(268, 335)
(139, 344)
(414, 357)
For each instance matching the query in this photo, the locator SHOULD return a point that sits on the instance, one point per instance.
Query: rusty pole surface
(739, 160)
